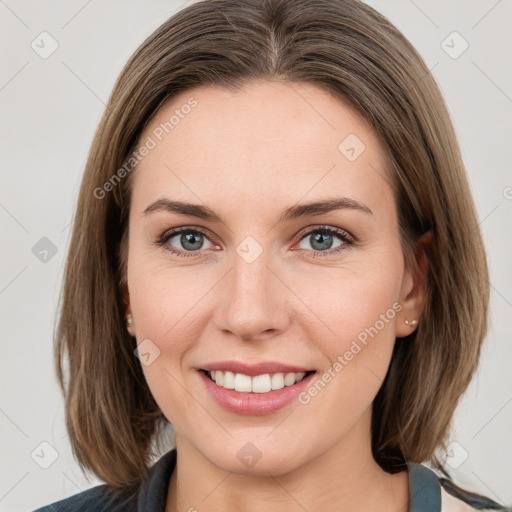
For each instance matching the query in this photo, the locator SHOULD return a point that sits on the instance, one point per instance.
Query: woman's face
(254, 279)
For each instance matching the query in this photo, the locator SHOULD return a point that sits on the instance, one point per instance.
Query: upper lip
(254, 369)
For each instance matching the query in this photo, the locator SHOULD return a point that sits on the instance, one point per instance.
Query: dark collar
(153, 491)
(424, 486)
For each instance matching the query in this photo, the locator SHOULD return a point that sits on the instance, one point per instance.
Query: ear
(126, 297)
(414, 290)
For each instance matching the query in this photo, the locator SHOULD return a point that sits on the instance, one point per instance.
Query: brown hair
(352, 51)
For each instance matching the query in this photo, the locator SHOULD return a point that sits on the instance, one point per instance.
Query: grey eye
(189, 240)
(321, 241)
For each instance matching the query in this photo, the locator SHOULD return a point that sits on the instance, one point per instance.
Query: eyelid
(342, 233)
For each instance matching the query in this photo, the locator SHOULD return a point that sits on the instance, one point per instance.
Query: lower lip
(254, 404)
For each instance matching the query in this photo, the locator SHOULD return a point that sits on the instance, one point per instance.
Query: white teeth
(257, 384)
(229, 380)
(289, 379)
(242, 382)
(261, 384)
(277, 381)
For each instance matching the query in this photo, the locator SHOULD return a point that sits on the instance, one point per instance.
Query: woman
(276, 206)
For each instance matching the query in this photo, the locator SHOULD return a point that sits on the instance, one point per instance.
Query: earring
(412, 323)
(129, 320)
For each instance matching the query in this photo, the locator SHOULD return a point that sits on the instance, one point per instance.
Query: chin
(252, 458)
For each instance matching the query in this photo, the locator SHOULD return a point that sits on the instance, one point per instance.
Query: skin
(248, 155)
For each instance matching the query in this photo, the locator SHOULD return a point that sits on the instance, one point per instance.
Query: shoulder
(450, 503)
(96, 499)
(148, 494)
(456, 499)
(430, 491)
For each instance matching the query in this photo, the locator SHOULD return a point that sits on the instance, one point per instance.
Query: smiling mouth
(264, 383)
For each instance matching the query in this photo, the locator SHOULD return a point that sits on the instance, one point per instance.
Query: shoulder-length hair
(352, 51)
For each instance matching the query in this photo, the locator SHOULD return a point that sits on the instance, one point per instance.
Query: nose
(252, 302)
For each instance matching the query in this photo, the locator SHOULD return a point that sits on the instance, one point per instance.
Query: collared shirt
(426, 493)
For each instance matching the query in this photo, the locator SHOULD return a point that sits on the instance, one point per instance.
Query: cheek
(359, 302)
(358, 307)
(166, 309)
(357, 356)
(165, 299)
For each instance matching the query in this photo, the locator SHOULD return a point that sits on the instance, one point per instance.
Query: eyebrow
(291, 213)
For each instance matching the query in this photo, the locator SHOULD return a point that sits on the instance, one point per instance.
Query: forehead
(268, 141)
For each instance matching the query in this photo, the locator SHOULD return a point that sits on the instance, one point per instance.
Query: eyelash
(347, 240)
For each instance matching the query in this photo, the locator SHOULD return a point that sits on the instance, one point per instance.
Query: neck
(343, 478)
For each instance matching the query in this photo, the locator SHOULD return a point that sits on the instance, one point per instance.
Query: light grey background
(49, 110)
